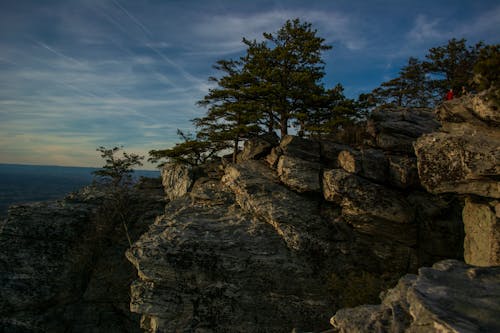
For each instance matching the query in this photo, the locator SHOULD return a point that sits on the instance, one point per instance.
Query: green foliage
(410, 89)
(288, 68)
(451, 66)
(118, 170)
(333, 111)
(192, 151)
(487, 68)
(424, 83)
(116, 176)
(232, 114)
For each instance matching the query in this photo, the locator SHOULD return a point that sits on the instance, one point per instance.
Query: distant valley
(29, 183)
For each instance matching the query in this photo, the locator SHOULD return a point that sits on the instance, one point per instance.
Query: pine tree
(192, 150)
(409, 89)
(232, 114)
(451, 66)
(288, 69)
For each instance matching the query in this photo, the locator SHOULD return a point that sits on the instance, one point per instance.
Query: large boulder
(465, 157)
(295, 218)
(449, 297)
(258, 147)
(457, 163)
(397, 129)
(362, 200)
(475, 110)
(209, 266)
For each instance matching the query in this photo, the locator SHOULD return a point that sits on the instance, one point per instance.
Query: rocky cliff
(461, 157)
(290, 233)
(281, 240)
(62, 264)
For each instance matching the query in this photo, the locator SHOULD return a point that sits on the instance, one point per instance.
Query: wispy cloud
(223, 33)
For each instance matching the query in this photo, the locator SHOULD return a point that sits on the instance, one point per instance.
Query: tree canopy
(278, 84)
(454, 66)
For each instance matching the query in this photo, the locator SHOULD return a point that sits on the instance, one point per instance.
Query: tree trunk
(284, 125)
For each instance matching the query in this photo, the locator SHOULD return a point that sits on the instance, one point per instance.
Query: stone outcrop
(271, 243)
(449, 297)
(464, 158)
(397, 129)
(299, 174)
(295, 218)
(212, 266)
(62, 266)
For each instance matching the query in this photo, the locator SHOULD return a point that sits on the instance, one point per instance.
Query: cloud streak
(76, 75)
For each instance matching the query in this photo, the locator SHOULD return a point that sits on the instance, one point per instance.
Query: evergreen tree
(451, 66)
(288, 69)
(487, 68)
(332, 111)
(409, 89)
(232, 114)
(193, 151)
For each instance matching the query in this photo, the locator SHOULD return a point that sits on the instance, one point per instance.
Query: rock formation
(280, 240)
(449, 297)
(62, 265)
(256, 247)
(464, 158)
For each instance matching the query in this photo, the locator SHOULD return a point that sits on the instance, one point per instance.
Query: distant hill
(28, 183)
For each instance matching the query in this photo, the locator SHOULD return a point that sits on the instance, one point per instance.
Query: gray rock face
(301, 175)
(475, 110)
(368, 163)
(300, 148)
(294, 217)
(209, 266)
(403, 172)
(465, 158)
(177, 179)
(62, 266)
(396, 130)
(359, 197)
(456, 163)
(449, 297)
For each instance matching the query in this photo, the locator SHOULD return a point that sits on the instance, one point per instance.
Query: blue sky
(78, 74)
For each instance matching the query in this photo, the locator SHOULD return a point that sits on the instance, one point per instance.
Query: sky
(79, 74)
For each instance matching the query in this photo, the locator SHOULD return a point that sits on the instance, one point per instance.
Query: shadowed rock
(449, 297)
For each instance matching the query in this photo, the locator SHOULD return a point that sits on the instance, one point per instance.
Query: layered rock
(449, 297)
(397, 129)
(464, 158)
(210, 266)
(62, 266)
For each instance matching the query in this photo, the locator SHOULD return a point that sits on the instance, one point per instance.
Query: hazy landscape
(28, 183)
